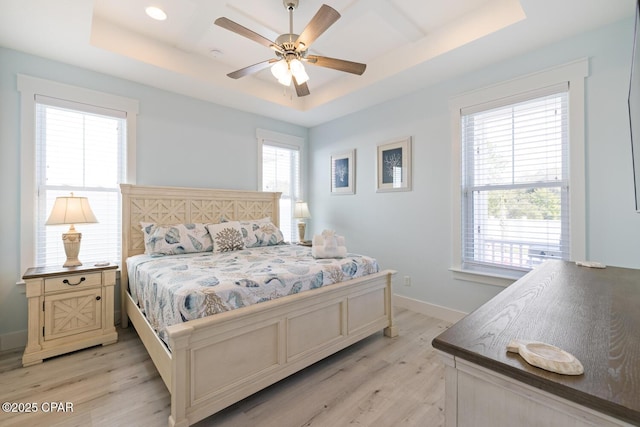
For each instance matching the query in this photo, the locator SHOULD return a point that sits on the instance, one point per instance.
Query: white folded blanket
(328, 245)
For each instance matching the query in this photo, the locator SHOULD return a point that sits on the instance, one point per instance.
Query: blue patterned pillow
(175, 239)
(260, 232)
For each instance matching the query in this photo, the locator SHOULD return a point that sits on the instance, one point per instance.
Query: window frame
(29, 87)
(573, 73)
(277, 139)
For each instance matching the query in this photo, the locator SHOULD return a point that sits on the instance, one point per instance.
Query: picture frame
(393, 168)
(343, 172)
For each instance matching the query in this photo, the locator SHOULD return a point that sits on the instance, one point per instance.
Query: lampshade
(71, 210)
(285, 79)
(301, 210)
(297, 69)
(280, 70)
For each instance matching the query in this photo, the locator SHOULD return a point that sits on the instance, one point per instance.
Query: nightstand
(69, 309)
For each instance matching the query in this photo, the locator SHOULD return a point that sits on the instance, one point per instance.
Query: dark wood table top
(592, 313)
(50, 271)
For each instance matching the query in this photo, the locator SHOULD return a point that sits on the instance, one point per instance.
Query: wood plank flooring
(379, 381)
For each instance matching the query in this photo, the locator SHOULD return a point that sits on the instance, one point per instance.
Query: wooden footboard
(219, 360)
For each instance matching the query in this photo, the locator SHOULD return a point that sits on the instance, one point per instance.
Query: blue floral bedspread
(178, 288)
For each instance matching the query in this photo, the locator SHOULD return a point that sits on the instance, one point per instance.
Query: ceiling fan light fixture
(279, 69)
(156, 13)
(285, 80)
(297, 69)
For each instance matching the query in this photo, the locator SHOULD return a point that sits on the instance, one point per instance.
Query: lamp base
(301, 230)
(71, 242)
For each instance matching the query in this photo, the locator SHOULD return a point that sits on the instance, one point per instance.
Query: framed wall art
(393, 171)
(343, 172)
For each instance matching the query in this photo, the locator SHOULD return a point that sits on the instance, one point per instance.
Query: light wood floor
(379, 381)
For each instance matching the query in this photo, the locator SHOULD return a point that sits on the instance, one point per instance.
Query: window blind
(515, 188)
(281, 172)
(81, 149)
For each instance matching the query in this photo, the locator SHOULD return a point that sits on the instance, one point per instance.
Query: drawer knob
(82, 279)
(98, 298)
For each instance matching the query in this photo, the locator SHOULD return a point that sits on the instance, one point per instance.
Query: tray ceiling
(406, 44)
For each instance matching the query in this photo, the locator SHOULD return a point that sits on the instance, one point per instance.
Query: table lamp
(71, 210)
(301, 212)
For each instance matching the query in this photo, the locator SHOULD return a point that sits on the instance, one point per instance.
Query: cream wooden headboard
(176, 205)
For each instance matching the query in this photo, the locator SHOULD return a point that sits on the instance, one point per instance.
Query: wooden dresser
(592, 313)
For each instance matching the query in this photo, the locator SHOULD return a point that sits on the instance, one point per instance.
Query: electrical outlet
(407, 280)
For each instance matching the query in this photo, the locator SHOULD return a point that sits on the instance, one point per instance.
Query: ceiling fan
(292, 49)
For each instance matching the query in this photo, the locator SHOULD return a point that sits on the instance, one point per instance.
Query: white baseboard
(428, 309)
(13, 340)
(18, 339)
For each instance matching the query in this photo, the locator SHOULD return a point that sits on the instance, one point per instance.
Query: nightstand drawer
(72, 282)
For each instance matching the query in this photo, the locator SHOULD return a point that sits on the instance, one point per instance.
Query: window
(80, 149)
(515, 183)
(73, 140)
(280, 162)
(520, 174)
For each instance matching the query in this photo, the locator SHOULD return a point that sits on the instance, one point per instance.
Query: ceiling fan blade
(252, 69)
(228, 24)
(337, 64)
(323, 19)
(301, 89)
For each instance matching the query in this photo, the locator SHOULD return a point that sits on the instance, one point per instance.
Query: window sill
(494, 279)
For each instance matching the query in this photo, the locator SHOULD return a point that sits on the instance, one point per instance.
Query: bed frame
(219, 360)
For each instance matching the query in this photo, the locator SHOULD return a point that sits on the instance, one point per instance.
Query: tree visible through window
(515, 183)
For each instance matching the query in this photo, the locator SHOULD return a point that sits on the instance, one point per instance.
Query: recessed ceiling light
(156, 13)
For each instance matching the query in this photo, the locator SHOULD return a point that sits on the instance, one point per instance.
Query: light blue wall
(411, 231)
(203, 144)
(181, 141)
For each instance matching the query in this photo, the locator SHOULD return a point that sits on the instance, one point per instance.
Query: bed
(211, 362)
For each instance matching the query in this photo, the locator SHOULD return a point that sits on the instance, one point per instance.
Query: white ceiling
(406, 44)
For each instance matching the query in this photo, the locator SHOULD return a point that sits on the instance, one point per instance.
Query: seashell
(547, 357)
(172, 236)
